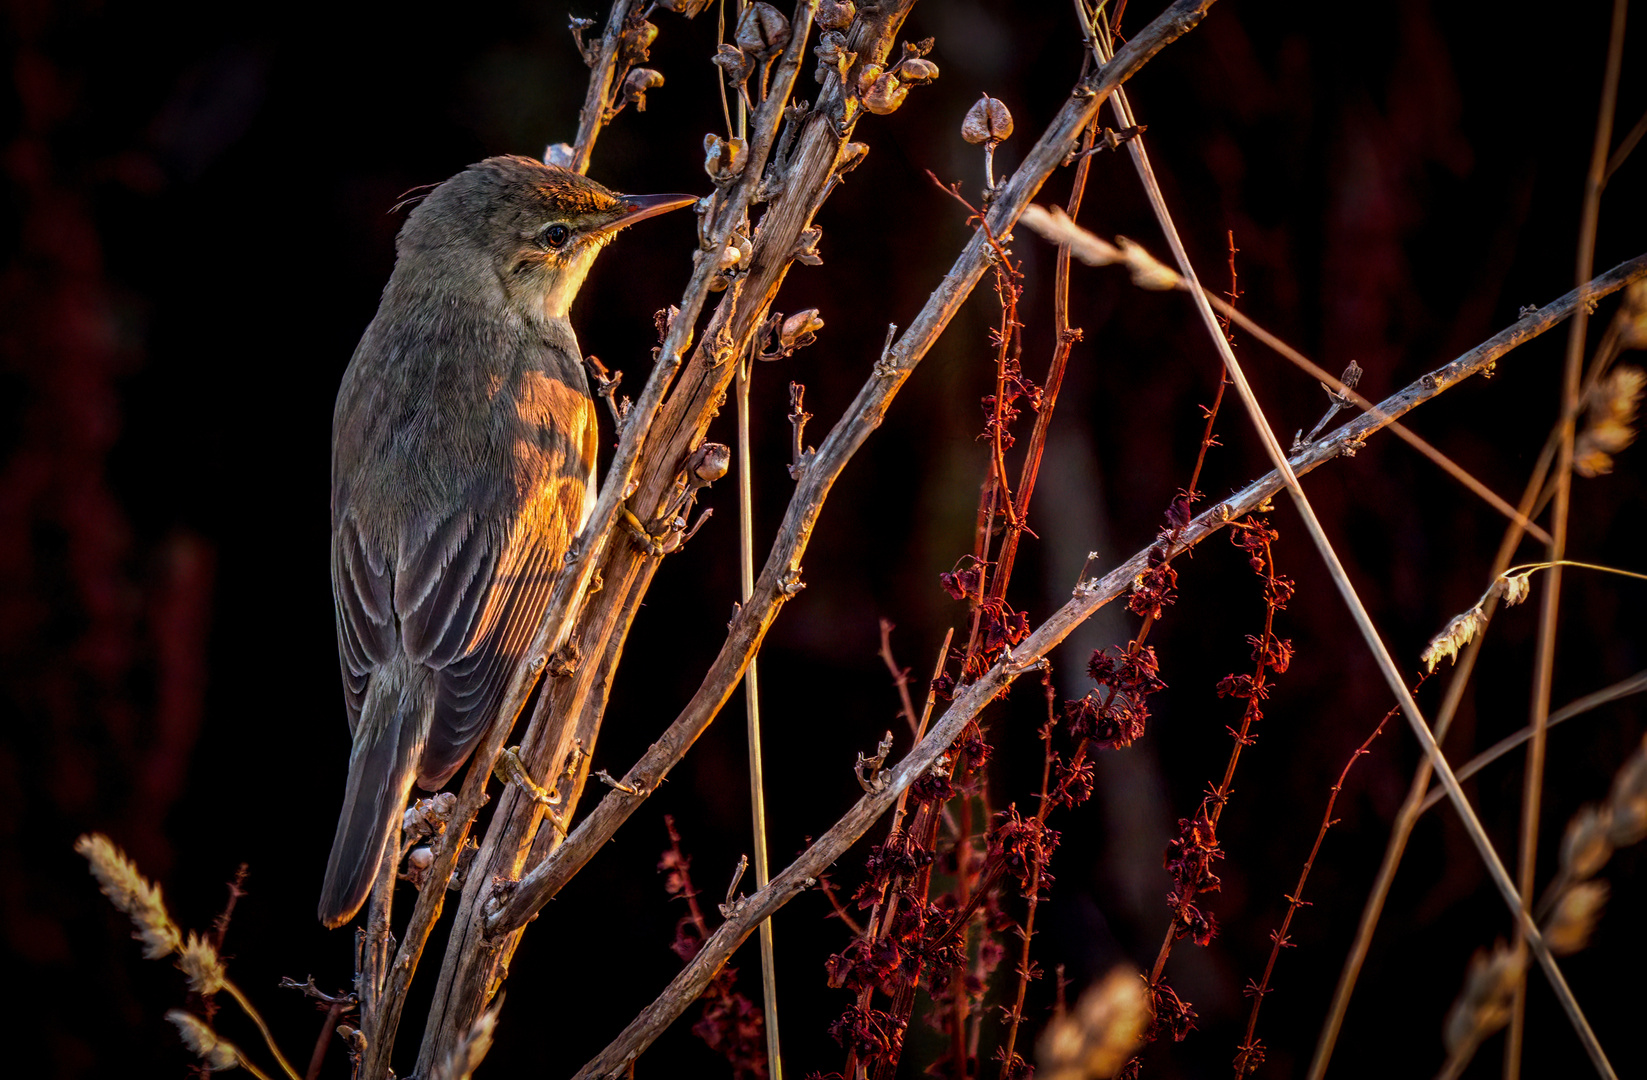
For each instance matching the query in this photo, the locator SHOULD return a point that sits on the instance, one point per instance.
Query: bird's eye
(556, 235)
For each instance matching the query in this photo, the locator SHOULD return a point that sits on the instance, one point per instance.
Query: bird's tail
(388, 741)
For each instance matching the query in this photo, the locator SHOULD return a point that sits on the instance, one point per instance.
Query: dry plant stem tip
(593, 113)
(1358, 611)
(1549, 614)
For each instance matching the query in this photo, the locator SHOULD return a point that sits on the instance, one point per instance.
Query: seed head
(1569, 927)
(1585, 848)
(762, 32)
(202, 966)
(1614, 403)
(217, 1054)
(1100, 1034)
(885, 94)
(835, 14)
(1453, 637)
(1484, 1004)
(988, 120)
(1628, 801)
(133, 894)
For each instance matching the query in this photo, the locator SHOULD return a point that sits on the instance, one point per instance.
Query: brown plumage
(463, 458)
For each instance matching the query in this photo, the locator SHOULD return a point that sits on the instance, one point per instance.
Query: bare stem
(1549, 614)
(752, 716)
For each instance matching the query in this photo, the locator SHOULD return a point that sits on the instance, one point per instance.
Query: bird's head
(523, 231)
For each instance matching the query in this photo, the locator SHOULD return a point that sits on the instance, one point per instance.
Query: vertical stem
(1358, 611)
(1544, 665)
(752, 711)
(1410, 810)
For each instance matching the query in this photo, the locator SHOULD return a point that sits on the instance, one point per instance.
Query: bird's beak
(640, 207)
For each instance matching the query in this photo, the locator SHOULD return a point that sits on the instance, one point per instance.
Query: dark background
(195, 228)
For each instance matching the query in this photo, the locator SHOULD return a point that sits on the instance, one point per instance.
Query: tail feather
(388, 741)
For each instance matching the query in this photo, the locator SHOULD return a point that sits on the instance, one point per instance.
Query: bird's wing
(485, 583)
(362, 595)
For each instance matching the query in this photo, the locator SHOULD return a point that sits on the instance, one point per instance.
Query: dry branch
(1089, 597)
(780, 576)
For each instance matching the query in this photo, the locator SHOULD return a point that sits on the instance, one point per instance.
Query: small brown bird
(463, 464)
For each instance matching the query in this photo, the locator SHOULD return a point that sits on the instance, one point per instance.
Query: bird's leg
(644, 539)
(511, 770)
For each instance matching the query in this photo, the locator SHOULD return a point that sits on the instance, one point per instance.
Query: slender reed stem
(263, 1028)
(1549, 615)
(752, 714)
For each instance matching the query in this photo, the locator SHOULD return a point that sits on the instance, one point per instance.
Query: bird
(463, 465)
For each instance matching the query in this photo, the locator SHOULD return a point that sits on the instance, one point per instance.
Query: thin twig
(1635, 684)
(593, 114)
(1295, 900)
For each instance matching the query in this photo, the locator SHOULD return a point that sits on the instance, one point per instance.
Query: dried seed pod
(708, 463)
(637, 83)
(418, 864)
(988, 121)
(762, 31)
(730, 59)
(835, 14)
(723, 158)
(1568, 928)
(799, 329)
(1586, 848)
(688, 8)
(852, 155)
(833, 54)
(806, 247)
(636, 43)
(885, 94)
(916, 70)
(559, 155)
